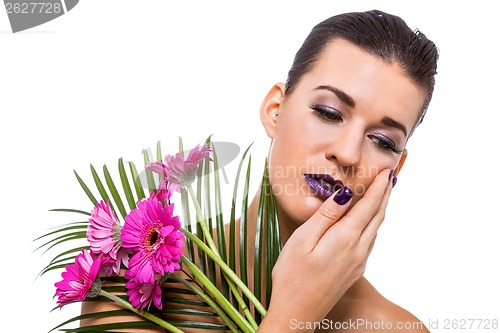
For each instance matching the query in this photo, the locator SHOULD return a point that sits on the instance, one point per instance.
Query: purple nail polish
(394, 181)
(391, 173)
(343, 196)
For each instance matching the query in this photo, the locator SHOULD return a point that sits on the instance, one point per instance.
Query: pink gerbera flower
(151, 232)
(142, 295)
(80, 280)
(164, 193)
(103, 234)
(178, 170)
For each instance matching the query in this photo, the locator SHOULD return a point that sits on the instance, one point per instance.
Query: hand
(324, 257)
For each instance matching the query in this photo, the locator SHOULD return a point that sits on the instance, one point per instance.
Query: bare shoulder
(396, 318)
(364, 309)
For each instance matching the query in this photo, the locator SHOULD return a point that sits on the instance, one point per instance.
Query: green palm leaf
(85, 188)
(126, 185)
(221, 236)
(114, 192)
(149, 174)
(137, 183)
(243, 227)
(69, 211)
(100, 187)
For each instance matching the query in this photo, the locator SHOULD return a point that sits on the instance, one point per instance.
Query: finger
(369, 205)
(370, 248)
(327, 215)
(370, 231)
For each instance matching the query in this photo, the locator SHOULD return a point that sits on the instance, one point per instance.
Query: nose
(345, 147)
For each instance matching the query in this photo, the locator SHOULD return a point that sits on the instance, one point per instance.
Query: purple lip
(323, 184)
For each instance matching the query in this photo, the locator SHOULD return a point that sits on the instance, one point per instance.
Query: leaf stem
(224, 303)
(214, 250)
(201, 220)
(208, 300)
(227, 270)
(142, 313)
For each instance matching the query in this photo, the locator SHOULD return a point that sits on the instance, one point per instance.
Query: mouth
(323, 185)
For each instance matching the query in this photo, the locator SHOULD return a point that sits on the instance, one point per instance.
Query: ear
(401, 162)
(270, 108)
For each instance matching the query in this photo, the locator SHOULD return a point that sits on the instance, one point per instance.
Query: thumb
(327, 215)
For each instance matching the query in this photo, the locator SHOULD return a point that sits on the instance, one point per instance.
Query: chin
(300, 209)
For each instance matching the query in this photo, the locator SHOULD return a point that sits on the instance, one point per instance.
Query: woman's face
(349, 117)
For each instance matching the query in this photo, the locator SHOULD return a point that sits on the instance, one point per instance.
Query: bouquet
(156, 264)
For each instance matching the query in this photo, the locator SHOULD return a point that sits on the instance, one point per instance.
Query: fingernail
(394, 181)
(391, 173)
(343, 196)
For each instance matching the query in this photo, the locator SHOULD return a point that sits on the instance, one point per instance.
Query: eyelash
(331, 115)
(385, 143)
(326, 113)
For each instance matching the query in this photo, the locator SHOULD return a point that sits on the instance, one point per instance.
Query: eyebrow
(349, 101)
(346, 99)
(396, 124)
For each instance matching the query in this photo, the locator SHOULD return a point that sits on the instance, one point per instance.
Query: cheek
(366, 173)
(286, 172)
(297, 140)
(360, 183)
(359, 188)
(287, 156)
(288, 185)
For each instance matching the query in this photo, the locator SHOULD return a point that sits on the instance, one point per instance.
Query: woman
(358, 87)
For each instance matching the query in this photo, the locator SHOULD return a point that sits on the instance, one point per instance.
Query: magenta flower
(79, 280)
(104, 236)
(141, 295)
(151, 232)
(163, 193)
(178, 170)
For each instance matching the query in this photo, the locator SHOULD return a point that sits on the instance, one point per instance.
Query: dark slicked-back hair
(384, 35)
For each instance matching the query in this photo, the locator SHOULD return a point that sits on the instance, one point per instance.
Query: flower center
(153, 240)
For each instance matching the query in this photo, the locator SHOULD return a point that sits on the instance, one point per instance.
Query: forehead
(373, 84)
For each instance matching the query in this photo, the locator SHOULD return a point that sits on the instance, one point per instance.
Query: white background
(112, 77)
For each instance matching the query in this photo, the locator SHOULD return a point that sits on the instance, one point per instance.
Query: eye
(327, 113)
(384, 143)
